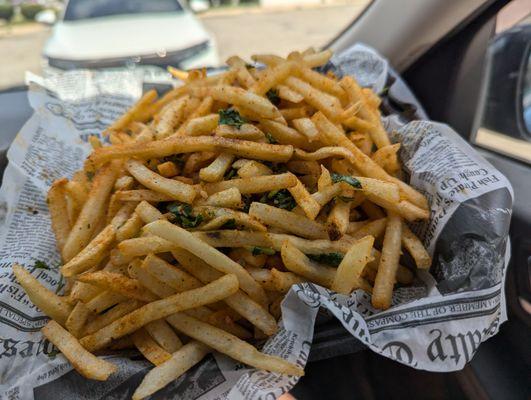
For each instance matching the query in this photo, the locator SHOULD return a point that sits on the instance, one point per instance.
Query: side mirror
(46, 17)
(503, 120)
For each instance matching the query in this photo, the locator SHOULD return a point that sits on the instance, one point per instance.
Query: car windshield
(83, 9)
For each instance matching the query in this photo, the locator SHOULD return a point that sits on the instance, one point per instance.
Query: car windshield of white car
(82, 9)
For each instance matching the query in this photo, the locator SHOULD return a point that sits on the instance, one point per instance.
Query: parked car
(113, 33)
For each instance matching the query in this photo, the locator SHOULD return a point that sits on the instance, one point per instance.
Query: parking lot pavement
(243, 32)
(279, 32)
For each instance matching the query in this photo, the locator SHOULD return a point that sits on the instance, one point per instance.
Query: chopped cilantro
(230, 224)
(247, 199)
(272, 95)
(347, 179)
(230, 174)
(178, 159)
(270, 138)
(256, 251)
(41, 265)
(231, 117)
(333, 259)
(279, 198)
(52, 354)
(89, 175)
(182, 214)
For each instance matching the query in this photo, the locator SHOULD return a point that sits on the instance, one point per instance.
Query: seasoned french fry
(177, 190)
(118, 283)
(169, 274)
(228, 198)
(257, 184)
(179, 362)
(240, 302)
(239, 97)
(272, 77)
(415, 247)
(297, 262)
(244, 132)
(215, 291)
(47, 301)
(116, 312)
(57, 204)
(215, 171)
(85, 363)
(385, 278)
(326, 103)
(213, 257)
(164, 335)
(308, 204)
(91, 212)
(202, 125)
(288, 221)
(307, 128)
(283, 134)
(253, 168)
(91, 255)
(348, 276)
(149, 348)
(133, 113)
(77, 319)
(374, 228)
(177, 145)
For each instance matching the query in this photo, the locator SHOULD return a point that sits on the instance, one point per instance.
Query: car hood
(124, 36)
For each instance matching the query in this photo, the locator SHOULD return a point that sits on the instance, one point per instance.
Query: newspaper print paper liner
(437, 324)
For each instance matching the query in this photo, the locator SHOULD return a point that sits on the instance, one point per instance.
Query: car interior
(468, 70)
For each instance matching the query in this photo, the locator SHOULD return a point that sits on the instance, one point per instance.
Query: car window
(81, 9)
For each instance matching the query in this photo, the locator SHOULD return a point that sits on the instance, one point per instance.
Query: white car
(113, 33)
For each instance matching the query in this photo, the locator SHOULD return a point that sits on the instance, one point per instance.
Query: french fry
(57, 204)
(242, 74)
(228, 198)
(165, 337)
(304, 167)
(253, 168)
(141, 195)
(169, 274)
(149, 348)
(91, 255)
(47, 301)
(240, 219)
(386, 157)
(215, 171)
(283, 134)
(307, 128)
(283, 281)
(118, 283)
(272, 77)
(286, 93)
(168, 169)
(85, 363)
(308, 204)
(239, 97)
(244, 132)
(288, 221)
(133, 113)
(130, 228)
(296, 261)
(116, 312)
(177, 190)
(180, 362)
(385, 278)
(348, 276)
(231, 345)
(338, 219)
(103, 301)
(374, 228)
(77, 319)
(202, 125)
(415, 247)
(240, 302)
(177, 145)
(213, 257)
(257, 184)
(326, 103)
(215, 291)
(92, 211)
(169, 117)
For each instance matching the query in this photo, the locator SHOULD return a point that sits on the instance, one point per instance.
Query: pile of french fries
(182, 236)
